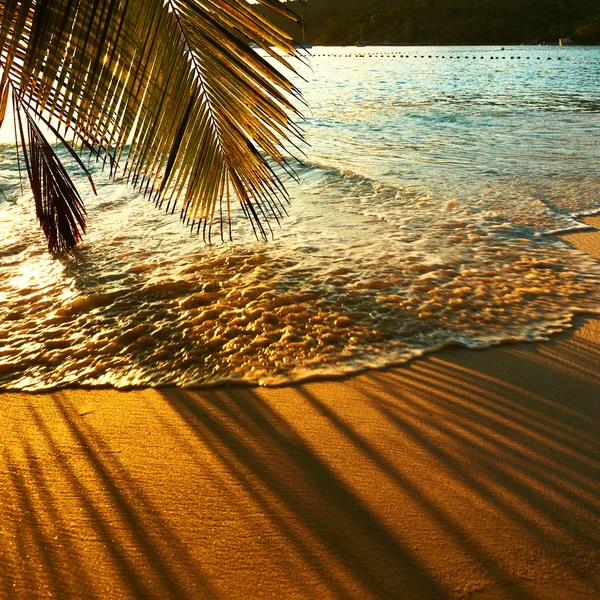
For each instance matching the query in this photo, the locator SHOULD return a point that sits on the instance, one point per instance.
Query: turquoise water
(432, 180)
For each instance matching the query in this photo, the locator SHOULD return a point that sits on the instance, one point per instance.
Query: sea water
(433, 181)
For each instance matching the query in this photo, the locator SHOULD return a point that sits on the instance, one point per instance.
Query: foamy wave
(418, 224)
(289, 311)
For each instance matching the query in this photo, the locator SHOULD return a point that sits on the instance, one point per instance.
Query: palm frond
(58, 205)
(4, 96)
(168, 91)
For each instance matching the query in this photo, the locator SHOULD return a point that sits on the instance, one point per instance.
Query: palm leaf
(58, 205)
(168, 91)
(4, 95)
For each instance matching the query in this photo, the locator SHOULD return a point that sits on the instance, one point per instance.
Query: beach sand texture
(461, 475)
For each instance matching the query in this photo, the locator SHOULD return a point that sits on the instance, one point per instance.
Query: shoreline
(462, 474)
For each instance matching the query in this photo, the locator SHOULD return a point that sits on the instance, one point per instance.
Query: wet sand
(462, 475)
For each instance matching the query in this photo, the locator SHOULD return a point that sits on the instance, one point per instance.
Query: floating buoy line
(436, 56)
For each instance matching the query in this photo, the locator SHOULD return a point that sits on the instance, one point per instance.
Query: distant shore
(461, 475)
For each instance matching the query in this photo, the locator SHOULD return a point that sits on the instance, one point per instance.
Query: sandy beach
(461, 475)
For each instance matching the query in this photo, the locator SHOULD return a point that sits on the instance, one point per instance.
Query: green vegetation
(450, 21)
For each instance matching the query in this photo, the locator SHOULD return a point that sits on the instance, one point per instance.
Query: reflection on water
(455, 125)
(418, 223)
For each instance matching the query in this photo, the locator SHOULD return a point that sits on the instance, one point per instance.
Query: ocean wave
(405, 235)
(363, 292)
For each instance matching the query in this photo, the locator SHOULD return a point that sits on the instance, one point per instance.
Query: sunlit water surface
(432, 178)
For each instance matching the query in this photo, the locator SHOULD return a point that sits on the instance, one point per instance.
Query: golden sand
(461, 475)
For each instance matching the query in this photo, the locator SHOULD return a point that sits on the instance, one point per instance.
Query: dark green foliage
(449, 21)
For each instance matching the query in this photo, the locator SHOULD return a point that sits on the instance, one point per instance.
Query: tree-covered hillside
(449, 21)
(317, 13)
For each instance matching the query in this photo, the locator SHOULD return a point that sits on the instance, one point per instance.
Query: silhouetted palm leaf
(167, 90)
